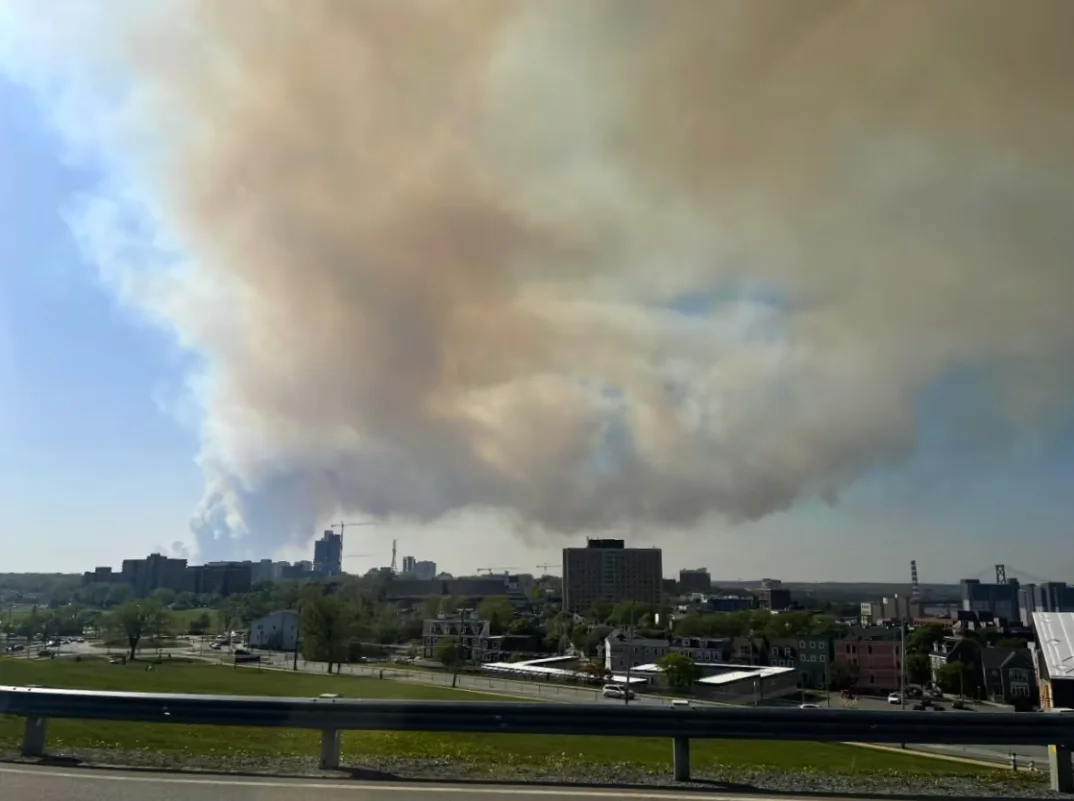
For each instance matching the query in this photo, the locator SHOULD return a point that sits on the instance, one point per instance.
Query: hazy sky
(241, 296)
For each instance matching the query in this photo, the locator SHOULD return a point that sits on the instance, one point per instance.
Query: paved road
(47, 784)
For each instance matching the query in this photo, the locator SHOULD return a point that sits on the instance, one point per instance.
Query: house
(1009, 676)
(810, 655)
(622, 651)
(1054, 659)
(277, 631)
(473, 636)
(1006, 675)
(873, 656)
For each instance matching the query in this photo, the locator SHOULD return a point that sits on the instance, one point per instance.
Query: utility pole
(902, 655)
(630, 657)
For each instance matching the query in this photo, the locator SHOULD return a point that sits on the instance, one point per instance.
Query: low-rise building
(277, 631)
(473, 636)
(621, 651)
(809, 655)
(872, 656)
(1054, 659)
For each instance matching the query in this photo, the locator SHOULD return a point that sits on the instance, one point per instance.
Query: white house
(277, 631)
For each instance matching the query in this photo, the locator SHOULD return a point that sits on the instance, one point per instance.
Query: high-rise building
(154, 572)
(425, 569)
(408, 564)
(698, 580)
(999, 599)
(328, 554)
(606, 570)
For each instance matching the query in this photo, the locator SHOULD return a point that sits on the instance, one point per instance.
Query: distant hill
(851, 590)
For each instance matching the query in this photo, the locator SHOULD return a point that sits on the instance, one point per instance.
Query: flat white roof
(732, 673)
(1055, 633)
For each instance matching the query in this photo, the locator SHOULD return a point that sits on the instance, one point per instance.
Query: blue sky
(93, 469)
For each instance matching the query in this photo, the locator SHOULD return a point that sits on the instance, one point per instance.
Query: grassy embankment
(480, 750)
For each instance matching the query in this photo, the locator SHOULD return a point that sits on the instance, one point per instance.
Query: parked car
(809, 706)
(681, 703)
(894, 698)
(615, 691)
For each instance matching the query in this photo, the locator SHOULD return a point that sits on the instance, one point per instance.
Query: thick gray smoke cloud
(592, 263)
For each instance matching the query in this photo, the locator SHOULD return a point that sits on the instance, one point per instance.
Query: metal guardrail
(332, 715)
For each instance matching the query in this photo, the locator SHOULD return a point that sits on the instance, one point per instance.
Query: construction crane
(342, 526)
(357, 555)
(545, 567)
(491, 570)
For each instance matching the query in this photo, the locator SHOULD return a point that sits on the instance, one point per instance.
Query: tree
(137, 619)
(327, 625)
(498, 611)
(680, 671)
(842, 676)
(449, 652)
(917, 668)
(923, 638)
(950, 677)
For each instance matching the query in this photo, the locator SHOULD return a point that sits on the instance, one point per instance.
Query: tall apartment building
(154, 572)
(408, 564)
(606, 570)
(328, 554)
(425, 569)
(691, 581)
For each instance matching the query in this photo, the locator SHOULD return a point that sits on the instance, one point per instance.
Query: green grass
(479, 750)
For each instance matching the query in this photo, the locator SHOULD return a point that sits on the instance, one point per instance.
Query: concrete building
(873, 656)
(218, 578)
(606, 570)
(1002, 600)
(772, 596)
(277, 631)
(691, 581)
(620, 652)
(1054, 659)
(419, 568)
(328, 554)
(474, 637)
(425, 569)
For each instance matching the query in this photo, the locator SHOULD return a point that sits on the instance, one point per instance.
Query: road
(49, 784)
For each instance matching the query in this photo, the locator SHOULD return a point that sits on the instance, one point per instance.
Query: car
(809, 706)
(894, 698)
(615, 691)
(681, 703)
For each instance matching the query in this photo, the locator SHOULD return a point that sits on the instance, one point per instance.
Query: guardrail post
(1061, 769)
(682, 759)
(330, 742)
(33, 737)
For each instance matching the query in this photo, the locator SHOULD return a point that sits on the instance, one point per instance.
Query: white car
(894, 698)
(615, 691)
(809, 706)
(681, 702)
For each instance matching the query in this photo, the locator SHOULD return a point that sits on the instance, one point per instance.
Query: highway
(49, 784)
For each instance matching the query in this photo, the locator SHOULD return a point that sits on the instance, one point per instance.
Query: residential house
(276, 631)
(621, 651)
(810, 655)
(474, 637)
(1054, 659)
(873, 656)
(1006, 675)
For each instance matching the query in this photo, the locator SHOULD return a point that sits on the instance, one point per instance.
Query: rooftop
(1055, 633)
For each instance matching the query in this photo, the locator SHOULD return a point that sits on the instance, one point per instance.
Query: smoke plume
(591, 263)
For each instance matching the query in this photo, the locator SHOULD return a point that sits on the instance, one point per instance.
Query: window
(812, 657)
(823, 658)
(872, 679)
(869, 648)
(812, 644)
(801, 643)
